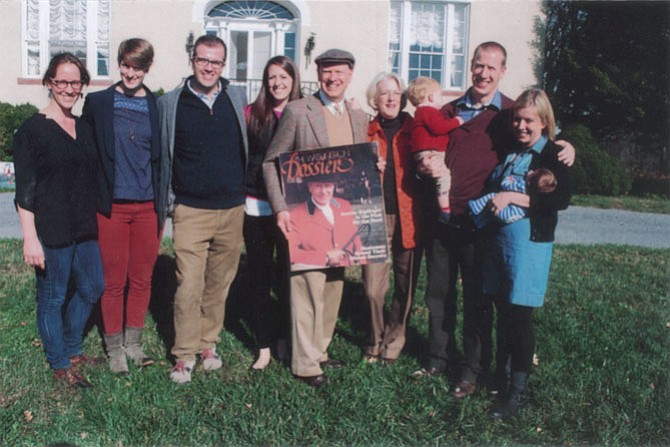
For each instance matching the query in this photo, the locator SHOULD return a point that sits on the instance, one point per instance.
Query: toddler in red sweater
(430, 133)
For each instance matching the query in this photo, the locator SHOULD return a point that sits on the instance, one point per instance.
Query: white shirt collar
(327, 211)
(330, 104)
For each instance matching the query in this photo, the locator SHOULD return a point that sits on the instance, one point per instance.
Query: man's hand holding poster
(336, 207)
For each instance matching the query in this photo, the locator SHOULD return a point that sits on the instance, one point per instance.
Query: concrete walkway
(577, 225)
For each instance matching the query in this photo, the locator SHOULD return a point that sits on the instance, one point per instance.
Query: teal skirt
(517, 267)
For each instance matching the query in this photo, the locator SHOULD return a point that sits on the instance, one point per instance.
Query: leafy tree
(595, 172)
(11, 117)
(606, 66)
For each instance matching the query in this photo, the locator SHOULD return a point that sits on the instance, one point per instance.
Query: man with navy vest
(203, 127)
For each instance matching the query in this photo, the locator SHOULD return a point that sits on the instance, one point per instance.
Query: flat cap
(335, 56)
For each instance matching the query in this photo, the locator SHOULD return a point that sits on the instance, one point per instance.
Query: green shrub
(11, 117)
(595, 171)
(648, 186)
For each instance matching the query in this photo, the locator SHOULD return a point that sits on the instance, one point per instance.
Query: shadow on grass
(163, 287)
(238, 319)
(161, 306)
(354, 312)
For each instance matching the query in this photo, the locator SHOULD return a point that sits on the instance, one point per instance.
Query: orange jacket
(407, 185)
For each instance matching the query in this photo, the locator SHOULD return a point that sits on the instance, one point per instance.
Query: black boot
(510, 405)
(501, 378)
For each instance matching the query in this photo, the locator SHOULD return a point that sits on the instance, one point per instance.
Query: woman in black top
(281, 84)
(54, 155)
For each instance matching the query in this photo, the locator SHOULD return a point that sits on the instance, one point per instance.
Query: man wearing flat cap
(323, 120)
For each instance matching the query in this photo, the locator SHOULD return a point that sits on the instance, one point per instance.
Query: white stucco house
(411, 37)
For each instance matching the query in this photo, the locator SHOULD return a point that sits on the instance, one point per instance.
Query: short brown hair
(542, 181)
(489, 46)
(419, 88)
(65, 58)
(210, 40)
(137, 53)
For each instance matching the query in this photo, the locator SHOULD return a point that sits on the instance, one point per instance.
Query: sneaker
(424, 372)
(371, 359)
(445, 217)
(210, 359)
(181, 372)
(71, 377)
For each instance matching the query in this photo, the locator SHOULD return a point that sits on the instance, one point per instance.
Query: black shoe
(314, 381)
(331, 363)
(510, 405)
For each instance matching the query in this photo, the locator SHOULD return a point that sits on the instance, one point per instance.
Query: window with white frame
(254, 32)
(78, 26)
(429, 38)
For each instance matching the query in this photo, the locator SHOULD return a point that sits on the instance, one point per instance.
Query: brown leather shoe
(71, 376)
(331, 363)
(83, 359)
(464, 388)
(314, 381)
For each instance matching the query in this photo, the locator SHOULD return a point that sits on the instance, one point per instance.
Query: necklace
(131, 132)
(132, 112)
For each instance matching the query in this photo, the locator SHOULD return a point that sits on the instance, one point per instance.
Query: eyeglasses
(62, 84)
(203, 62)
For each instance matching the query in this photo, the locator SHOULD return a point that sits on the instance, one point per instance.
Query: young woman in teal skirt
(517, 268)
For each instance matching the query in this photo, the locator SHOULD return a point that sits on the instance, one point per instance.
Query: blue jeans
(62, 333)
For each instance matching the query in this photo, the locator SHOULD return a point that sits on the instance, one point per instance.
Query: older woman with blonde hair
(391, 130)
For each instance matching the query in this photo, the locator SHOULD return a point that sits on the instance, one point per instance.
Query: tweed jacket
(302, 126)
(408, 187)
(99, 112)
(167, 109)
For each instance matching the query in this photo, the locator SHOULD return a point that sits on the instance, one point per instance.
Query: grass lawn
(602, 378)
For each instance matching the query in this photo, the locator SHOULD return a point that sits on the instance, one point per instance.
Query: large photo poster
(336, 205)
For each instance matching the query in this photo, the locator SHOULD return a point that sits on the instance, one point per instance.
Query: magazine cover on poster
(336, 204)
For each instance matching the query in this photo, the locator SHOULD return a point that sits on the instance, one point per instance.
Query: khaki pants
(315, 303)
(207, 246)
(387, 339)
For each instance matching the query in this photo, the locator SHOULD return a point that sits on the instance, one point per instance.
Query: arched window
(254, 32)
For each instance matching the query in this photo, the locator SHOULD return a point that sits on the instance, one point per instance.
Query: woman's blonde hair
(538, 98)
(372, 93)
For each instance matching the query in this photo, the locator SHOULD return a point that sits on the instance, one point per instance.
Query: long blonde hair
(537, 98)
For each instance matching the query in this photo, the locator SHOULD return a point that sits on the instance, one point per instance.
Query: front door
(249, 51)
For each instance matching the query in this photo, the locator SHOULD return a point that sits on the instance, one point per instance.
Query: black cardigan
(543, 210)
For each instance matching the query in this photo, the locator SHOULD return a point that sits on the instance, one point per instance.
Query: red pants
(129, 242)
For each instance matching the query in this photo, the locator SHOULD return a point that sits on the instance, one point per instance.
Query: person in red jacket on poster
(323, 232)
